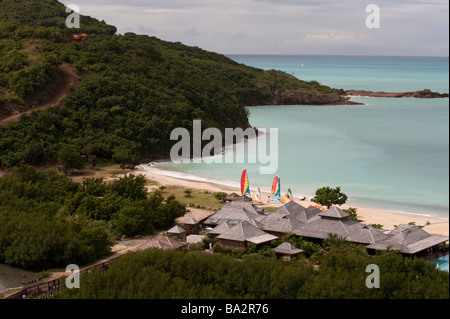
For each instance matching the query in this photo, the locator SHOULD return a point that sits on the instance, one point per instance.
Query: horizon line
(349, 55)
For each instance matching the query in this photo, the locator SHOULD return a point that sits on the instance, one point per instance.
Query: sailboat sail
(276, 190)
(289, 192)
(286, 198)
(245, 188)
(258, 196)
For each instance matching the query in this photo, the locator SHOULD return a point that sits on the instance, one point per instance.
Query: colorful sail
(286, 198)
(289, 192)
(258, 196)
(276, 191)
(245, 187)
(274, 184)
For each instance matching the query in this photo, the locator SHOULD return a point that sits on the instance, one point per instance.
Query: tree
(70, 159)
(220, 196)
(327, 196)
(125, 158)
(353, 214)
(187, 193)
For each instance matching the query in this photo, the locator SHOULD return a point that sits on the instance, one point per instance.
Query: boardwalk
(49, 288)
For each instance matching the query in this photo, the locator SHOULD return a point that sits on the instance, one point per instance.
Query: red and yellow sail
(245, 187)
(276, 190)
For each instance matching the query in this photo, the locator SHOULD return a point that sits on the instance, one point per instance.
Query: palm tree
(335, 242)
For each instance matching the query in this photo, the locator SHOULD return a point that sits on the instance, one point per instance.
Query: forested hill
(118, 96)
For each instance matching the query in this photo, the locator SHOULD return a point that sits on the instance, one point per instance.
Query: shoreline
(432, 224)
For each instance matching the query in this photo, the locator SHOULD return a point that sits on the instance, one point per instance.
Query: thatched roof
(176, 230)
(409, 239)
(244, 231)
(287, 249)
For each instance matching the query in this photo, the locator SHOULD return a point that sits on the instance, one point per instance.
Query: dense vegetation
(342, 274)
(135, 89)
(47, 220)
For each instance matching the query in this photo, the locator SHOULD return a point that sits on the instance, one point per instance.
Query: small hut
(287, 250)
(235, 197)
(178, 232)
(192, 226)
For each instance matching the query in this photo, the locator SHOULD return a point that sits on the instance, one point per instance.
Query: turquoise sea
(389, 153)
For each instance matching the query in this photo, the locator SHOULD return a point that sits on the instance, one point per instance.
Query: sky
(292, 27)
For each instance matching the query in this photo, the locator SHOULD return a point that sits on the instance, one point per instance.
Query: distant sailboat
(245, 187)
(288, 197)
(258, 196)
(303, 65)
(276, 190)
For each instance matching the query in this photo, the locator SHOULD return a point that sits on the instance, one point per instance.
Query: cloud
(409, 27)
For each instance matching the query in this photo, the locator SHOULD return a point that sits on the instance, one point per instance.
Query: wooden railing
(37, 289)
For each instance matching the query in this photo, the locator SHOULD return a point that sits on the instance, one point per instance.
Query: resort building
(244, 232)
(192, 226)
(410, 240)
(178, 232)
(235, 212)
(238, 223)
(336, 221)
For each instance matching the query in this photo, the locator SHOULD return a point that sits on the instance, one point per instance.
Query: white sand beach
(389, 220)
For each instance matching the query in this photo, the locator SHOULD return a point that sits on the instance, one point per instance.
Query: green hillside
(118, 96)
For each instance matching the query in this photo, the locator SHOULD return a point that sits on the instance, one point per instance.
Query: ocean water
(391, 154)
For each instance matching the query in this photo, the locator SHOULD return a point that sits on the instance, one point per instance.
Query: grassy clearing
(200, 197)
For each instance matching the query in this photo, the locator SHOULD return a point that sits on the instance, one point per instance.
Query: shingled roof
(235, 211)
(220, 229)
(285, 224)
(244, 231)
(287, 249)
(191, 221)
(176, 230)
(302, 214)
(409, 239)
(367, 235)
(162, 242)
(334, 212)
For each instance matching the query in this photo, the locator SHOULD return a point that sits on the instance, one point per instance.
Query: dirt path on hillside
(66, 78)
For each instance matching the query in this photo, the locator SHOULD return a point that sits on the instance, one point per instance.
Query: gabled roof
(409, 239)
(244, 231)
(176, 230)
(334, 212)
(287, 249)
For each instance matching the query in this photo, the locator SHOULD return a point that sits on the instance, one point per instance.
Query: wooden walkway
(44, 290)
